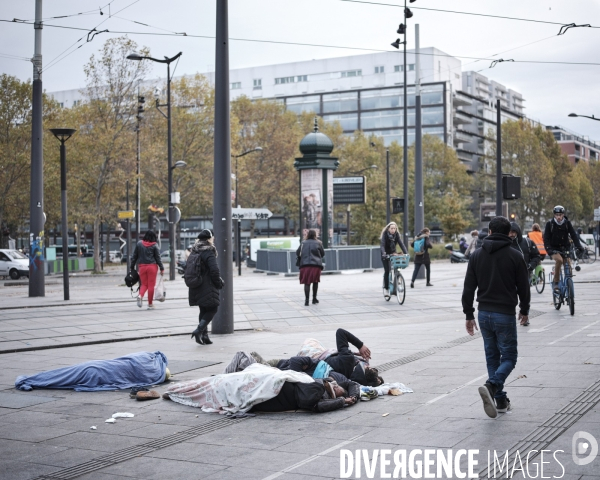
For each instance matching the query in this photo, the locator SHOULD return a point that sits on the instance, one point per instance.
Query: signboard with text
(349, 190)
(250, 213)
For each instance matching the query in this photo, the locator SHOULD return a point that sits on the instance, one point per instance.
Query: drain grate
(550, 430)
(425, 353)
(139, 450)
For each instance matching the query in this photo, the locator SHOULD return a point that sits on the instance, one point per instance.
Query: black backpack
(132, 278)
(193, 271)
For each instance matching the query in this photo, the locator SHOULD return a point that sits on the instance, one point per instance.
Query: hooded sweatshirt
(530, 253)
(499, 274)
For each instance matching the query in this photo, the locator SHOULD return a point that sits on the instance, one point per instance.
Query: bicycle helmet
(559, 209)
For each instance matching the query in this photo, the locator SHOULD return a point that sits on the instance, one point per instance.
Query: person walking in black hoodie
(311, 254)
(499, 275)
(422, 256)
(207, 295)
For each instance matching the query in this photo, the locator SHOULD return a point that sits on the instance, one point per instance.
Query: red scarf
(148, 244)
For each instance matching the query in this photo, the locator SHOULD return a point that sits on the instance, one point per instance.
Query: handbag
(159, 290)
(131, 279)
(299, 257)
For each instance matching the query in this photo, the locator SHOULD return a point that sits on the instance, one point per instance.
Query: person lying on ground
(320, 396)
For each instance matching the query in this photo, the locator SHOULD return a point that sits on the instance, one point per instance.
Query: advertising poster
(312, 205)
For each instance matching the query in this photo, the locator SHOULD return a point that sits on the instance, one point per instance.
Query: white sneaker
(386, 292)
(150, 307)
(139, 301)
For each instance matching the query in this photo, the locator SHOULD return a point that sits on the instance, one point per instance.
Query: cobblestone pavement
(554, 389)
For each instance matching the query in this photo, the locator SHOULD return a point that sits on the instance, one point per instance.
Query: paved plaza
(554, 390)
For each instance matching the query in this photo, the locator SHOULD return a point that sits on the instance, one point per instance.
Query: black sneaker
(502, 405)
(487, 393)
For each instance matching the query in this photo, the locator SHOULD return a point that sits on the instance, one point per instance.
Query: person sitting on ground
(320, 396)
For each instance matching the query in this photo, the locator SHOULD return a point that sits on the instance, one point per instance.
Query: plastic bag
(159, 290)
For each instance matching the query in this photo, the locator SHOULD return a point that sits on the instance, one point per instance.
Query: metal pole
(348, 224)
(36, 198)
(498, 159)
(101, 245)
(138, 193)
(128, 231)
(170, 166)
(65, 225)
(223, 322)
(239, 246)
(237, 227)
(325, 212)
(387, 187)
(405, 145)
(419, 198)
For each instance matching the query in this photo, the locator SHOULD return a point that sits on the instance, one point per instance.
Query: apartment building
(575, 146)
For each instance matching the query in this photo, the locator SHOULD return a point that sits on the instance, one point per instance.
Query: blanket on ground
(134, 370)
(235, 392)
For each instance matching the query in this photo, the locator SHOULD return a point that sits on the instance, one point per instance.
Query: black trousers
(207, 313)
(386, 273)
(416, 271)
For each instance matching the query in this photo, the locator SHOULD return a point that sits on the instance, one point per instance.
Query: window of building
(352, 73)
(257, 84)
(381, 119)
(340, 102)
(236, 85)
(283, 80)
(379, 69)
(61, 104)
(433, 116)
(398, 68)
(302, 78)
(411, 67)
(348, 121)
(385, 98)
(308, 103)
(76, 102)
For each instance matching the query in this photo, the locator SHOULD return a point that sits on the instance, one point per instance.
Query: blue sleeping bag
(134, 370)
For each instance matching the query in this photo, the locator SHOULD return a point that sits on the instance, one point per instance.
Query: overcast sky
(551, 91)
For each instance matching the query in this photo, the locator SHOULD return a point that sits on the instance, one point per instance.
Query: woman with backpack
(311, 254)
(147, 256)
(389, 239)
(422, 245)
(204, 293)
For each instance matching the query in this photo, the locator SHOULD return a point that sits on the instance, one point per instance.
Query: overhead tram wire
(502, 17)
(276, 42)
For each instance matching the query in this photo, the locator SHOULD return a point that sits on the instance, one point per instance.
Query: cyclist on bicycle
(389, 239)
(525, 246)
(556, 239)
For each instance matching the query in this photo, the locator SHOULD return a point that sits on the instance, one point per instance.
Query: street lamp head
(135, 56)
(63, 134)
(401, 29)
(408, 13)
(374, 166)
(396, 44)
(573, 115)
(258, 149)
(412, 1)
(180, 164)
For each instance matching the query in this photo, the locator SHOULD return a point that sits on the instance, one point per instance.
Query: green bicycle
(537, 278)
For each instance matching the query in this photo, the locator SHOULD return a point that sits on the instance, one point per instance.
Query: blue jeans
(499, 333)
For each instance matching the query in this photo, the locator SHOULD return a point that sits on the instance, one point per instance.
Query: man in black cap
(499, 275)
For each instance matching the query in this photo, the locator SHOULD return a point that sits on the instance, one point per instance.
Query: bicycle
(566, 289)
(537, 278)
(587, 255)
(397, 285)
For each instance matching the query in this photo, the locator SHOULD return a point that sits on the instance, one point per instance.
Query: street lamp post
(584, 116)
(402, 31)
(238, 230)
(63, 134)
(168, 61)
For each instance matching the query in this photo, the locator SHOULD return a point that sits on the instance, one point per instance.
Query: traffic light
(141, 101)
(512, 217)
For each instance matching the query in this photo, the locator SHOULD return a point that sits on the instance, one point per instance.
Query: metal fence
(360, 257)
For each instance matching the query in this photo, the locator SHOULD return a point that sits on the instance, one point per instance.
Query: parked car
(14, 264)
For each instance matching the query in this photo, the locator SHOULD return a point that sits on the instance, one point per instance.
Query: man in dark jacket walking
(525, 245)
(499, 275)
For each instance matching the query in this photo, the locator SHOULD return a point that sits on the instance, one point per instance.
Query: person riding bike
(556, 239)
(537, 237)
(524, 245)
(389, 239)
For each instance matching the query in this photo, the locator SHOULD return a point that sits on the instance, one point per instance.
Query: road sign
(126, 214)
(177, 215)
(349, 190)
(250, 213)
(397, 205)
(597, 214)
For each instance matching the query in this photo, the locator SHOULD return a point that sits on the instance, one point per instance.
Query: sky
(551, 91)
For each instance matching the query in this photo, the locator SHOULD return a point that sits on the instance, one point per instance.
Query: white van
(13, 263)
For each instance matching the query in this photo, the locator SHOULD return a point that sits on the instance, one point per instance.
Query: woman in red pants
(147, 257)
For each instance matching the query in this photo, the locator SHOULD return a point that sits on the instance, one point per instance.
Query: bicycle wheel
(571, 296)
(399, 288)
(591, 254)
(540, 282)
(556, 299)
(584, 258)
